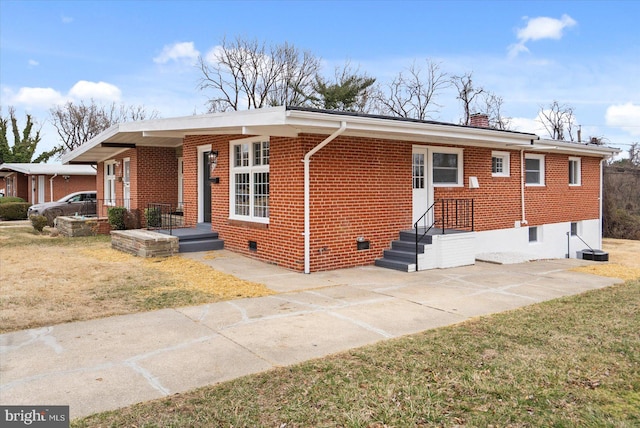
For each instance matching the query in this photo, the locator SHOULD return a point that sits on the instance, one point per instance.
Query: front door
(421, 185)
(206, 193)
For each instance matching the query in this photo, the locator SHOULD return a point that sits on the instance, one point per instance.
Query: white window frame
(577, 170)
(460, 169)
(506, 162)
(541, 182)
(250, 169)
(110, 183)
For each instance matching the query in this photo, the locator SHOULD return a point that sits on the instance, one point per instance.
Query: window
(574, 228)
(110, 182)
(500, 164)
(574, 172)
(447, 167)
(418, 170)
(533, 234)
(534, 170)
(249, 178)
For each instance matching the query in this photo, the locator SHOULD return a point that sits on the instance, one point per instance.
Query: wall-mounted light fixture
(66, 177)
(213, 162)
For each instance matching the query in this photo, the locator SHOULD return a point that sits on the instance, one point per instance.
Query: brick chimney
(479, 120)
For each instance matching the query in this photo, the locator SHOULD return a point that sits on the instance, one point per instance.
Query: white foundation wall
(551, 243)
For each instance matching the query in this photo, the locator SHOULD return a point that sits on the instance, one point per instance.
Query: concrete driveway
(114, 362)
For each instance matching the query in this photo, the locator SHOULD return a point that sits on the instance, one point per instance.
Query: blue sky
(581, 53)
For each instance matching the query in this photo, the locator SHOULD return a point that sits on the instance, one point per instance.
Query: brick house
(314, 190)
(37, 183)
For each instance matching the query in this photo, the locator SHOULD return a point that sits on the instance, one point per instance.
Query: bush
(9, 199)
(116, 217)
(153, 217)
(14, 210)
(132, 219)
(38, 222)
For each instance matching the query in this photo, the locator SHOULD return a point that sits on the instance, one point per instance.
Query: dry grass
(46, 280)
(624, 260)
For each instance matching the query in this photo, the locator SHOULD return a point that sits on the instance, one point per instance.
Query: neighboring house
(38, 183)
(314, 190)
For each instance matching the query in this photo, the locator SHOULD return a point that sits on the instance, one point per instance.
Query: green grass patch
(569, 362)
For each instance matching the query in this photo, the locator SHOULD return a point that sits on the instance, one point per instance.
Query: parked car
(77, 203)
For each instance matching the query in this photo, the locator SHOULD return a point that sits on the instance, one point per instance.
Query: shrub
(116, 217)
(153, 216)
(132, 219)
(8, 199)
(38, 222)
(14, 210)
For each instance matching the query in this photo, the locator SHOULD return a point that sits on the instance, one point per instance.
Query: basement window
(533, 234)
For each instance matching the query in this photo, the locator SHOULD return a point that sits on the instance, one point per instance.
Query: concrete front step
(400, 265)
(206, 244)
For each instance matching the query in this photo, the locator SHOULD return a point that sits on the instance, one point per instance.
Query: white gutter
(601, 203)
(51, 187)
(522, 176)
(307, 191)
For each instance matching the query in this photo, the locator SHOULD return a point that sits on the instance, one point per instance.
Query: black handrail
(427, 229)
(454, 214)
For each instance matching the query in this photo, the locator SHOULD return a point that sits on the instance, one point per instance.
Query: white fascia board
(95, 141)
(406, 130)
(565, 147)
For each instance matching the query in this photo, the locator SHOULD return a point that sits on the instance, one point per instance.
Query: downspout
(307, 191)
(522, 176)
(601, 203)
(51, 187)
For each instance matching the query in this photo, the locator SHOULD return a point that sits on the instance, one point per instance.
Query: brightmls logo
(35, 416)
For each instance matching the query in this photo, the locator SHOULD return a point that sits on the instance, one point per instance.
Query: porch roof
(45, 169)
(293, 121)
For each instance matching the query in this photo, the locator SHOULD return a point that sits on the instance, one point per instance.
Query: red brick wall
(153, 177)
(498, 200)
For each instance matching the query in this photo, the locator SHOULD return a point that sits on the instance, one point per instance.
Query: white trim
(108, 180)
(181, 182)
(541, 158)
(201, 150)
(506, 164)
(251, 169)
(460, 168)
(578, 162)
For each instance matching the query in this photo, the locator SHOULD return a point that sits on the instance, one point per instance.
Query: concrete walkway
(114, 362)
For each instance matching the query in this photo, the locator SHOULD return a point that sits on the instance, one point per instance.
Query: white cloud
(184, 51)
(212, 56)
(625, 116)
(84, 90)
(523, 124)
(540, 28)
(37, 97)
(66, 19)
(33, 63)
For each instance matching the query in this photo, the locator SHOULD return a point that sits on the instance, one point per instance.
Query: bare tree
(246, 74)
(412, 94)
(558, 120)
(77, 123)
(493, 109)
(467, 94)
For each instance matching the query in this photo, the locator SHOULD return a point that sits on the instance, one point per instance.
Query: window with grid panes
(250, 180)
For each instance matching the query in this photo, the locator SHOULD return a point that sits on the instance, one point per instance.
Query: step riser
(411, 237)
(202, 245)
(399, 255)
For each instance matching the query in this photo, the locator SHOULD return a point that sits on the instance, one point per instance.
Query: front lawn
(47, 280)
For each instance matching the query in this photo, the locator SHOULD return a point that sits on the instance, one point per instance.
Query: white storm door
(126, 182)
(41, 189)
(180, 183)
(421, 184)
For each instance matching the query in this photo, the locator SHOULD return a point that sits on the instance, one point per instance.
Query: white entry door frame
(422, 184)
